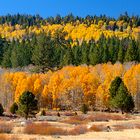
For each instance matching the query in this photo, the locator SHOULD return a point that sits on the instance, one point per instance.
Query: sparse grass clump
(98, 128)
(44, 129)
(47, 129)
(77, 120)
(80, 129)
(5, 127)
(105, 117)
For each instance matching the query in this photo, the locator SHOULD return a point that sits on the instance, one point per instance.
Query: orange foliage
(93, 82)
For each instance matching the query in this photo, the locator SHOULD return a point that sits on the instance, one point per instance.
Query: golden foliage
(91, 81)
(75, 31)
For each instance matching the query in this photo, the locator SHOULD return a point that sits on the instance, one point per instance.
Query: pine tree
(84, 53)
(120, 98)
(68, 57)
(14, 108)
(43, 53)
(6, 62)
(94, 55)
(121, 54)
(115, 84)
(105, 57)
(132, 52)
(14, 57)
(27, 104)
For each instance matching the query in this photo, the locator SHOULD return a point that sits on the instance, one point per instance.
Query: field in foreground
(97, 125)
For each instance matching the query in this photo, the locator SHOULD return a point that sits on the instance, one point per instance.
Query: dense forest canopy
(71, 56)
(56, 42)
(29, 20)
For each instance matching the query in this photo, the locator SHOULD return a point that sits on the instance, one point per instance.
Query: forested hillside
(65, 52)
(70, 86)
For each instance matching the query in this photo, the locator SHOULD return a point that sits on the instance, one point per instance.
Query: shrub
(97, 128)
(5, 128)
(44, 129)
(105, 117)
(58, 114)
(1, 110)
(84, 108)
(122, 127)
(7, 137)
(75, 120)
(80, 129)
(43, 113)
(14, 108)
(68, 114)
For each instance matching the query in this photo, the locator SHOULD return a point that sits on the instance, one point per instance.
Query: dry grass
(44, 129)
(5, 127)
(5, 137)
(47, 129)
(98, 128)
(106, 117)
(121, 127)
(80, 129)
(68, 114)
(76, 120)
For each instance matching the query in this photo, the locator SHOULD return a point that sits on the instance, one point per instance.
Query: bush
(5, 128)
(106, 117)
(84, 108)
(43, 113)
(44, 129)
(1, 110)
(98, 128)
(80, 129)
(58, 114)
(14, 108)
(75, 120)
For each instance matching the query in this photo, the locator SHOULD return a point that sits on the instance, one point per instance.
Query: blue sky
(47, 8)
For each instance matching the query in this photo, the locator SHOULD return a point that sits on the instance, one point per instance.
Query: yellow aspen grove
(70, 86)
(75, 31)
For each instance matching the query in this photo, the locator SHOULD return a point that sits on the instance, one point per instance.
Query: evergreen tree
(105, 57)
(84, 53)
(120, 98)
(94, 55)
(6, 62)
(27, 104)
(121, 54)
(14, 57)
(43, 53)
(132, 52)
(115, 84)
(68, 57)
(77, 54)
(14, 108)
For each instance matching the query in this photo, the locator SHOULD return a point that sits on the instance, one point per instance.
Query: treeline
(48, 53)
(29, 20)
(25, 20)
